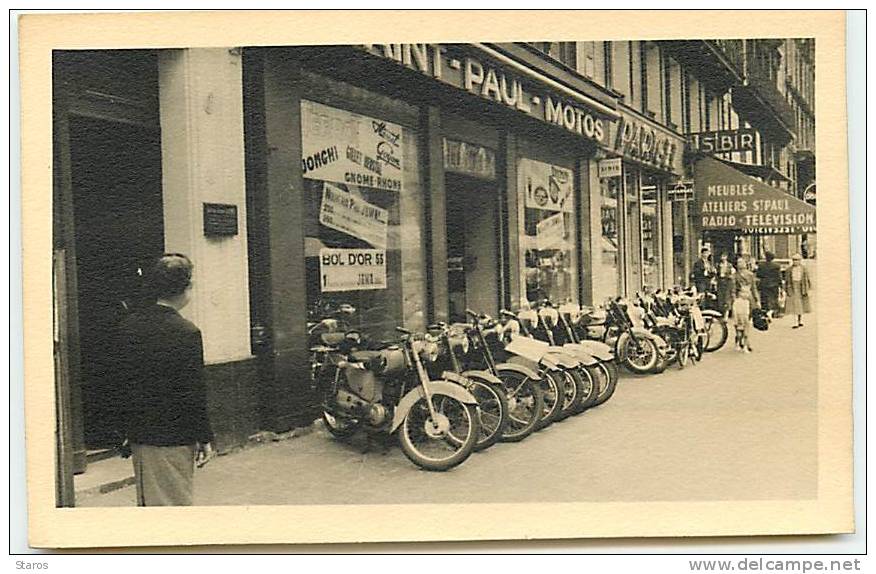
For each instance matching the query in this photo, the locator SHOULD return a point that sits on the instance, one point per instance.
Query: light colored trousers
(163, 474)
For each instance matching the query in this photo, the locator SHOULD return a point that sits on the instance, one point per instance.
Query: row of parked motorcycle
(461, 387)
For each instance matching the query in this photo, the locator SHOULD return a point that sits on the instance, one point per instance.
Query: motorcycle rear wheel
(716, 334)
(525, 404)
(339, 427)
(430, 446)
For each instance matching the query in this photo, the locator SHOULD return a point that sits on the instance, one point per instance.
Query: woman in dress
(726, 275)
(797, 287)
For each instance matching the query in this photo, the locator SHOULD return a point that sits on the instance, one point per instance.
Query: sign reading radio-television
(478, 74)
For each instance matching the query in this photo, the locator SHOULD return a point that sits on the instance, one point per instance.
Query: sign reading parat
(487, 79)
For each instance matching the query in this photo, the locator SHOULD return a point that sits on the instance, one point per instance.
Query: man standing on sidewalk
(166, 409)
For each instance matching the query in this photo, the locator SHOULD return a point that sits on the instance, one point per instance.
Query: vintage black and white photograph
(490, 272)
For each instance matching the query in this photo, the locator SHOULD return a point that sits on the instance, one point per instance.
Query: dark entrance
(473, 257)
(118, 222)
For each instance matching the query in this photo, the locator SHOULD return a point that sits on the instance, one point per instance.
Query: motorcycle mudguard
(711, 313)
(598, 349)
(643, 332)
(581, 354)
(452, 390)
(525, 370)
(560, 359)
(483, 376)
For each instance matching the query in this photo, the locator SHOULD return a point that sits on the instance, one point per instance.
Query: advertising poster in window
(352, 269)
(548, 187)
(345, 147)
(343, 211)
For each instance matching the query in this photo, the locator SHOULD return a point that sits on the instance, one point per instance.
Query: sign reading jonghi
(480, 75)
(344, 147)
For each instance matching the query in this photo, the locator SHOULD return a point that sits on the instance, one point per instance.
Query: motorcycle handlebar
(403, 331)
(508, 313)
(471, 314)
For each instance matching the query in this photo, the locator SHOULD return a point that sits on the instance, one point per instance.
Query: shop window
(651, 233)
(363, 228)
(606, 255)
(549, 266)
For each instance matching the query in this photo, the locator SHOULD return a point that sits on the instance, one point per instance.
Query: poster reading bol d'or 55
(344, 147)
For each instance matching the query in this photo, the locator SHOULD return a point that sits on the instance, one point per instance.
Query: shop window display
(605, 261)
(363, 230)
(547, 240)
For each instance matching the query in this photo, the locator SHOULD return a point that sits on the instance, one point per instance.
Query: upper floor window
(608, 59)
(563, 52)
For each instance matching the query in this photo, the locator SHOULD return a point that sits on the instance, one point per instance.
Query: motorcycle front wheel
(640, 355)
(444, 442)
(552, 397)
(492, 412)
(576, 387)
(610, 374)
(525, 403)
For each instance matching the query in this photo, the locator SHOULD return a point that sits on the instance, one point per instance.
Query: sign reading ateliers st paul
(730, 200)
(481, 76)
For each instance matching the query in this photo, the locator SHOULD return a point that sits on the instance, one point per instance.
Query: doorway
(473, 258)
(119, 225)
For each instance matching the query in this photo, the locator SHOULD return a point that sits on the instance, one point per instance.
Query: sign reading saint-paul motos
(728, 199)
(479, 74)
(344, 147)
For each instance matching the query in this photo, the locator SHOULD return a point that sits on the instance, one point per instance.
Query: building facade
(410, 181)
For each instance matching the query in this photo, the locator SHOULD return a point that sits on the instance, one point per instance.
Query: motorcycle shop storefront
(639, 226)
(410, 194)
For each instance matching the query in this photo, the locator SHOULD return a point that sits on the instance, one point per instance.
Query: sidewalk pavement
(735, 426)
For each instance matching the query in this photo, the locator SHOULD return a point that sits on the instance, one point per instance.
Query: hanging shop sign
(345, 212)
(469, 159)
(723, 141)
(480, 74)
(608, 168)
(546, 186)
(352, 269)
(344, 147)
(681, 191)
(550, 232)
(728, 199)
(648, 143)
(809, 194)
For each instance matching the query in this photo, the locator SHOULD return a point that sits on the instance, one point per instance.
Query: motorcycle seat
(665, 322)
(332, 339)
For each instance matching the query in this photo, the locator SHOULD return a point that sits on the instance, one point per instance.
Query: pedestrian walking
(726, 279)
(167, 427)
(797, 287)
(769, 276)
(747, 280)
(703, 271)
(742, 305)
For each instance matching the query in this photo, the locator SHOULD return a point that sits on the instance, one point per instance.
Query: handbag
(783, 296)
(760, 320)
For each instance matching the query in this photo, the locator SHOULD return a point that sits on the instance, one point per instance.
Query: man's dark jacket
(770, 275)
(700, 278)
(162, 364)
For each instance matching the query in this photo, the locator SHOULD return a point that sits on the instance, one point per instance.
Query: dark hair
(704, 249)
(170, 275)
(770, 256)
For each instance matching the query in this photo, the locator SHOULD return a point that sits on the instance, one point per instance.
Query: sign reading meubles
(480, 75)
(730, 200)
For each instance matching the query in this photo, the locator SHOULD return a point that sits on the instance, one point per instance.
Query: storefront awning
(765, 172)
(729, 200)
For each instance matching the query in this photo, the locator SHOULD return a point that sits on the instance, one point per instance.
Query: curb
(253, 441)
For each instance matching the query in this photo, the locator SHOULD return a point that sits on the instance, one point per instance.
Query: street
(736, 426)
